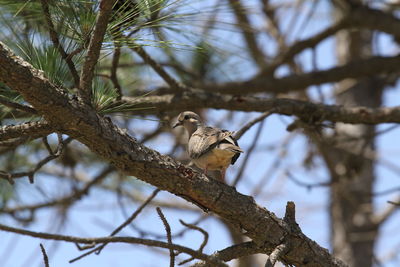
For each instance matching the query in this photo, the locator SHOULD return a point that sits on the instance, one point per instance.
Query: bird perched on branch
(209, 148)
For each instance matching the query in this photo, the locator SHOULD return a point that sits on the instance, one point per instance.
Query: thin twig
(174, 84)
(195, 227)
(113, 239)
(203, 244)
(243, 22)
(250, 124)
(119, 228)
(45, 258)
(181, 233)
(76, 195)
(309, 186)
(40, 164)
(169, 238)
(56, 41)
(248, 154)
(385, 215)
(6, 102)
(300, 46)
(113, 71)
(394, 203)
(46, 144)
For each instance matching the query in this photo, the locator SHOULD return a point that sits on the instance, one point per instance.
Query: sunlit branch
(28, 129)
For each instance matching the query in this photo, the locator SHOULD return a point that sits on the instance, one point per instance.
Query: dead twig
(203, 244)
(45, 258)
(169, 238)
(40, 164)
(250, 124)
(114, 239)
(118, 229)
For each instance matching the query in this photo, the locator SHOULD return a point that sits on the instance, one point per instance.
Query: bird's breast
(216, 159)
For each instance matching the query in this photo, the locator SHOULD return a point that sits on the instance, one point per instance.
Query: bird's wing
(207, 138)
(231, 144)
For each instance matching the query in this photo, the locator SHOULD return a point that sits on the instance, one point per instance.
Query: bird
(209, 148)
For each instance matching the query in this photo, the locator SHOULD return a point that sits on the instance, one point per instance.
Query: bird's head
(189, 120)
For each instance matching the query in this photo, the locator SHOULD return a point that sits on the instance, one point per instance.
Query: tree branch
(169, 238)
(381, 218)
(10, 176)
(6, 102)
(28, 129)
(112, 239)
(265, 84)
(56, 41)
(174, 84)
(45, 258)
(92, 56)
(205, 240)
(250, 124)
(300, 46)
(98, 249)
(248, 33)
(374, 19)
(64, 200)
(309, 111)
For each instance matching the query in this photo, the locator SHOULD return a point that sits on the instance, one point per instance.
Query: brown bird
(209, 148)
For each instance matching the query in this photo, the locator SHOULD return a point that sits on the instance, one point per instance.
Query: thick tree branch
(309, 111)
(374, 19)
(266, 84)
(101, 136)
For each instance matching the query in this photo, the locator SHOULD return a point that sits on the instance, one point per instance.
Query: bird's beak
(178, 123)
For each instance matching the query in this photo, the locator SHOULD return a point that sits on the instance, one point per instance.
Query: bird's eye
(186, 117)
